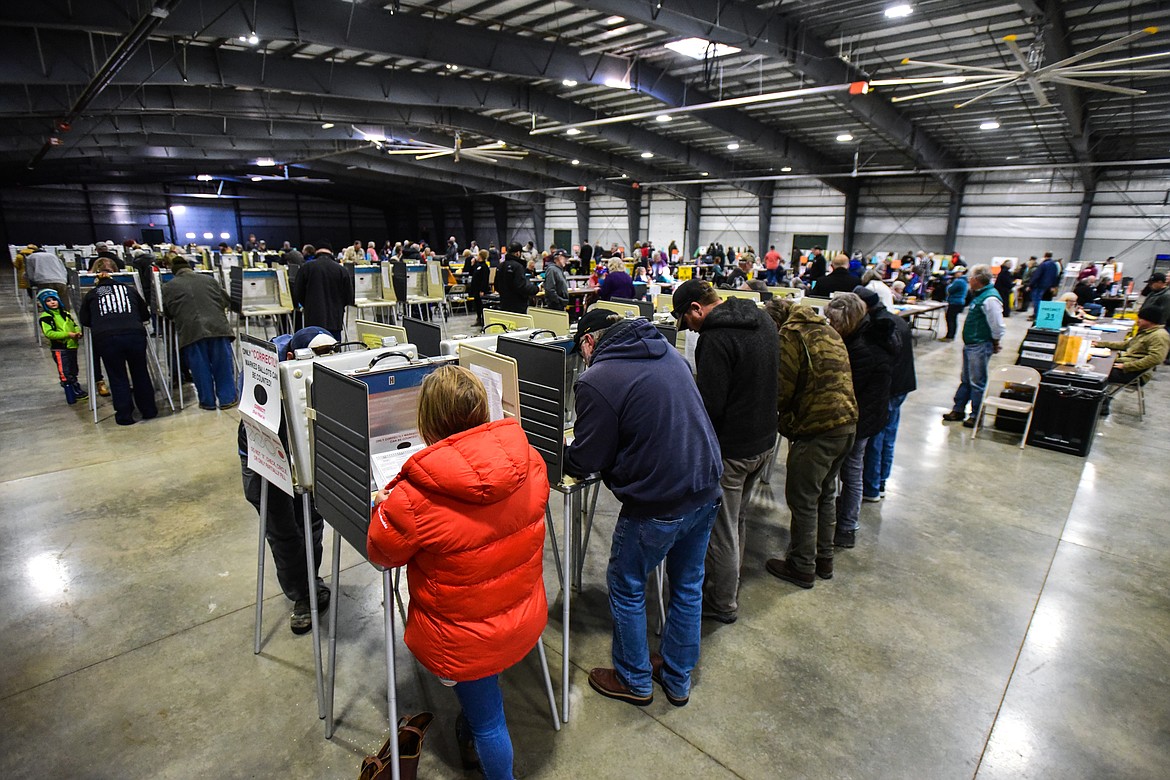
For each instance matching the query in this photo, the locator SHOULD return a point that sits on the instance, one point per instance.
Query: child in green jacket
(62, 332)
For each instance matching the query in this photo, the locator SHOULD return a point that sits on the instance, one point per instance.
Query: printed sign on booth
(260, 400)
(267, 457)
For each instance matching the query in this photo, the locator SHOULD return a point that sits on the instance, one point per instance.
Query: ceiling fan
(424, 150)
(1072, 71)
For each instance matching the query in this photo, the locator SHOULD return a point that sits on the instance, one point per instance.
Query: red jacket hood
(471, 466)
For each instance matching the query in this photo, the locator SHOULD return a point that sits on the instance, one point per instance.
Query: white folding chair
(1009, 375)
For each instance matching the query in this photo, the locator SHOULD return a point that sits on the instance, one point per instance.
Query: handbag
(410, 738)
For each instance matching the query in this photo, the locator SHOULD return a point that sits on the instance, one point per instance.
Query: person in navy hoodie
(662, 462)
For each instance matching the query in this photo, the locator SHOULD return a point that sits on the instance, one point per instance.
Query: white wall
(806, 207)
(559, 214)
(664, 217)
(728, 216)
(608, 223)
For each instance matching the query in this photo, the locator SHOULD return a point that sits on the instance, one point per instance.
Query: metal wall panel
(607, 221)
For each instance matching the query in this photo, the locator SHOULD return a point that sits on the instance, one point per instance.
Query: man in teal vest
(981, 334)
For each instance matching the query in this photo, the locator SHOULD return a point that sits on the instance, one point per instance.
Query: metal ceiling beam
(434, 40)
(777, 36)
(1072, 104)
(160, 65)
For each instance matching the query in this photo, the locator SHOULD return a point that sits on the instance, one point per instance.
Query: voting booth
(373, 290)
(376, 334)
(260, 292)
(507, 319)
(426, 336)
(555, 322)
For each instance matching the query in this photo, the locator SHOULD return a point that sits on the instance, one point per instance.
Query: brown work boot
(825, 568)
(778, 567)
(606, 682)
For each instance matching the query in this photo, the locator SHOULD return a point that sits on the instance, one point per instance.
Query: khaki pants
(726, 549)
(811, 490)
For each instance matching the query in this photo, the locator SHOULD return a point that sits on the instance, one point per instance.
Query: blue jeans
(639, 545)
(849, 497)
(974, 379)
(483, 705)
(212, 370)
(879, 451)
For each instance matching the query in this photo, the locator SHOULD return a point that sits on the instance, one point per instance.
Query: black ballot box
(1013, 422)
(1068, 405)
(1038, 349)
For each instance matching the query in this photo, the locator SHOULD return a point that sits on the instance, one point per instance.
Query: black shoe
(846, 539)
(825, 568)
(953, 416)
(727, 618)
(969, 422)
(778, 567)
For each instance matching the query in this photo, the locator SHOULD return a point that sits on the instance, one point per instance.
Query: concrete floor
(1005, 614)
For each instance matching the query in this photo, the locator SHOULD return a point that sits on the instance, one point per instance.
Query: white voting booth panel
(627, 310)
(548, 319)
(510, 320)
(453, 345)
(373, 334)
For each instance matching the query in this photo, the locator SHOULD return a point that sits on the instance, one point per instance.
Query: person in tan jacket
(1142, 351)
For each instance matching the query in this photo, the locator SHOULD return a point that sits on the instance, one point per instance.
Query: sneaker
(103, 389)
(301, 620)
(656, 663)
(79, 392)
(778, 567)
(207, 408)
(606, 682)
(969, 422)
(825, 568)
(846, 539)
(954, 416)
(872, 499)
(882, 491)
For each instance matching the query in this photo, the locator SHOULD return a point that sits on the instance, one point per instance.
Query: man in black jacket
(879, 450)
(737, 363)
(817, 266)
(478, 285)
(586, 253)
(839, 280)
(324, 289)
(512, 282)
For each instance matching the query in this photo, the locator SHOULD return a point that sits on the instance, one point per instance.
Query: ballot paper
(692, 341)
(493, 382)
(388, 454)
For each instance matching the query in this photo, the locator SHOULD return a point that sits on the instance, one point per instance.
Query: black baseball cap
(593, 321)
(685, 294)
(515, 248)
(1157, 277)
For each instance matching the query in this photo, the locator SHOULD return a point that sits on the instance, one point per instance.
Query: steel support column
(954, 214)
(583, 219)
(500, 212)
(1083, 222)
(467, 217)
(538, 211)
(849, 229)
(694, 210)
(633, 219)
(765, 202)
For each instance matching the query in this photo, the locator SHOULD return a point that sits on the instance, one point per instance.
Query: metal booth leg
(260, 565)
(552, 537)
(566, 592)
(552, 701)
(334, 581)
(391, 680)
(316, 618)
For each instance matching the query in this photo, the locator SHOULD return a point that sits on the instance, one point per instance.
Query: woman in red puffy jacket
(467, 517)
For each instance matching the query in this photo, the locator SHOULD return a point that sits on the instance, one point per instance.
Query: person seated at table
(466, 517)
(1073, 314)
(898, 289)
(617, 283)
(1087, 294)
(1144, 350)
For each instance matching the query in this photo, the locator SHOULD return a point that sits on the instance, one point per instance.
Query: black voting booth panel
(669, 332)
(345, 430)
(540, 369)
(425, 335)
(1068, 406)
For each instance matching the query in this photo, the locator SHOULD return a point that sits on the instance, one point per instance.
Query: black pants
(121, 352)
(477, 307)
(66, 362)
(953, 310)
(285, 531)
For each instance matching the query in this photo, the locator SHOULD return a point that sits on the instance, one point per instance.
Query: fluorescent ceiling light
(899, 11)
(845, 138)
(179, 208)
(786, 169)
(733, 146)
(647, 155)
(569, 82)
(204, 177)
(617, 83)
(611, 21)
(209, 236)
(990, 124)
(252, 38)
(326, 125)
(451, 67)
(954, 79)
(663, 117)
(625, 175)
(266, 162)
(225, 236)
(704, 173)
(697, 48)
(189, 235)
(257, 178)
(576, 162)
(572, 131)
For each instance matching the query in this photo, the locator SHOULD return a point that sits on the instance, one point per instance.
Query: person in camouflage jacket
(818, 415)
